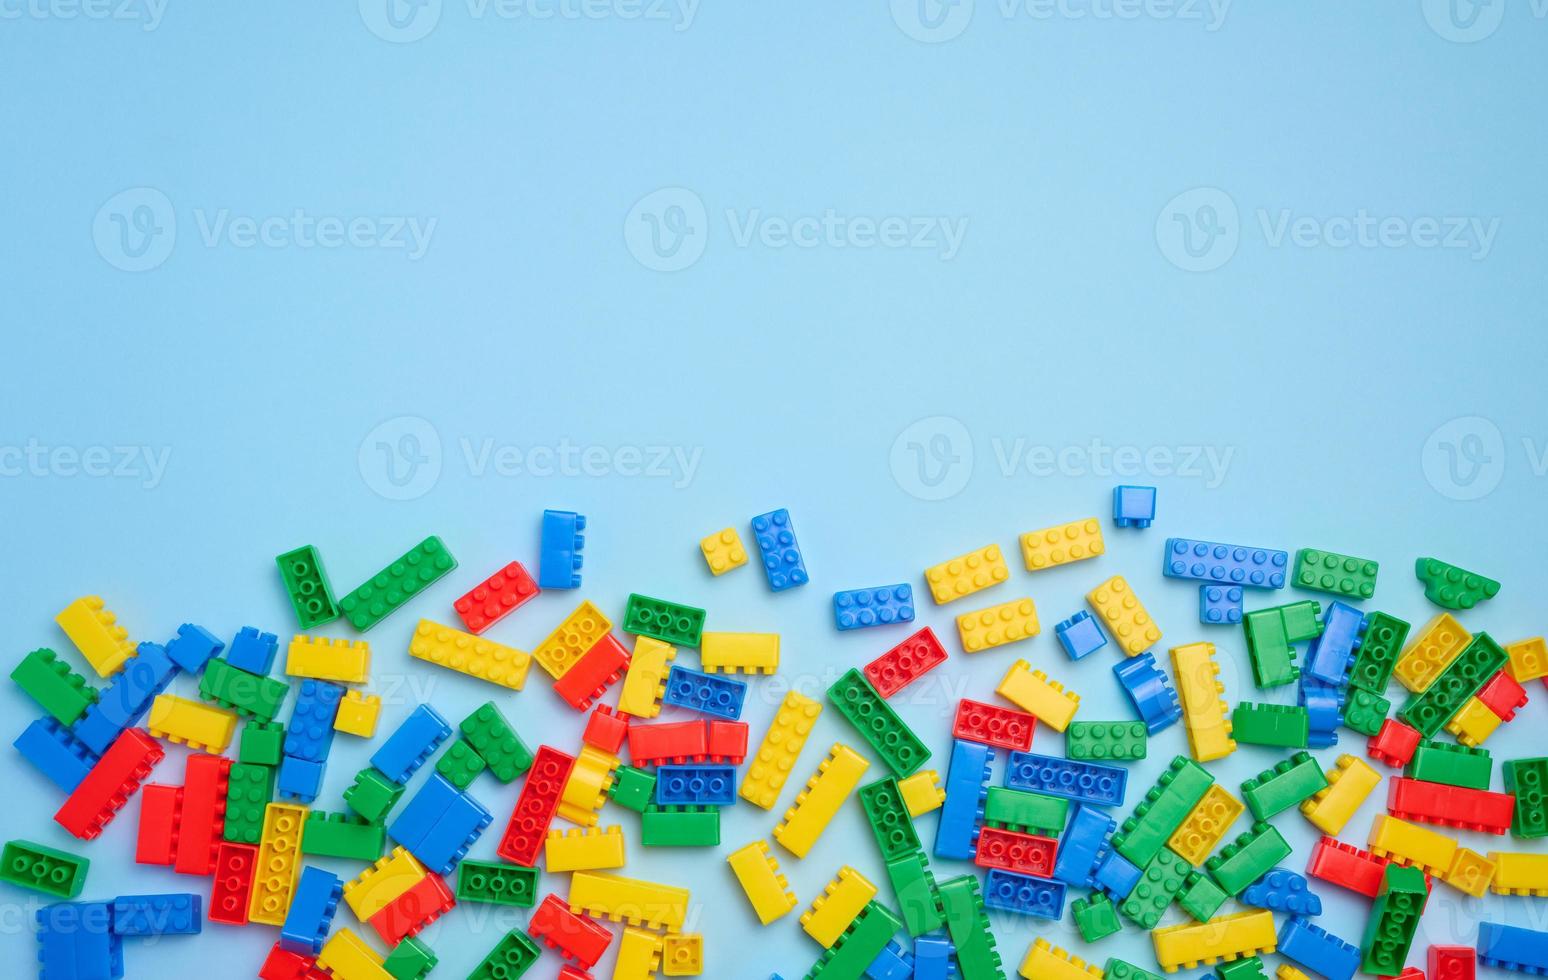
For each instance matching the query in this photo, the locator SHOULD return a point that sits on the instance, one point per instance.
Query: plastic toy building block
(1085, 839)
(669, 622)
(1220, 605)
(1317, 949)
(1474, 723)
(1452, 962)
(76, 941)
(347, 956)
(190, 723)
(309, 735)
(842, 901)
(407, 915)
(279, 863)
(470, 654)
(639, 903)
(50, 682)
(877, 723)
(233, 884)
(252, 651)
(1128, 622)
(966, 574)
(311, 911)
(1274, 725)
(1114, 741)
(1024, 894)
(682, 955)
(645, 682)
(605, 730)
(1519, 874)
(1282, 891)
(496, 597)
(358, 714)
(997, 625)
(680, 826)
(1348, 785)
(669, 742)
(633, 789)
(1014, 809)
(1225, 564)
(396, 584)
(249, 695)
(1412, 845)
(1247, 859)
(1503, 695)
(1324, 704)
(1437, 644)
(571, 639)
(881, 605)
(439, 824)
(1528, 779)
(56, 753)
(723, 551)
(1116, 875)
(127, 697)
(906, 662)
(1010, 850)
(193, 647)
(584, 849)
(1080, 636)
(1331, 653)
(1346, 866)
(410, 960)
(1450, 806)
(1449, 694)
(1205, 825)
(407, 748)
(1271, 635)
(1512, 948)
(262, 743)
(43, 869)
(156, 839)
(781, 553)
(758, 873)
(862, 942)
(496, 742)
(534, 810)
(109, 784)
(377, 886)
(1161, 880)
(1325, 571)
(1095, 917)
(372, 795)
(917, 893)
(591, 675)
(1470, 872)
(1120, 970)
(1528, 659)
(922, 792)
(1150, 691)
(1045, 962)
(977, 958)
(497, 883)
(1062, 544)
(747, 653)
(1283, 787)
(585, 791)
(1364, 711)
(1395, 744)
(299, 779)
(1204, 708)
(1084, 782)
(306, 582)
(816, 805)
(696, 785)
(1451, 587)
(282, 964)
(892, 963)
(1134, 506)
(707, 693)
(341, 836)
(559, 557)
(1032, 691)
(1165, 808)
(1227, 938)
(993, 725)
(890, 822)
(1454, 765)
(1378, 652)
(94, 630)
(329, 659)
(511, 957)
(201, 814)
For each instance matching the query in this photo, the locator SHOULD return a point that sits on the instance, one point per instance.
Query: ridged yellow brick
(586, 788)
(844, 898)
(1519, 874)
(1474, 723)
(1288, 972)
(645, 681)
(348, 957)
(1205, 714)
(1431, 651)
(682, 955)
(1033, 692)
(1412, 845)
(1226, 938)
(776, 756)
(997, 625)
(358, 714)
(922, 792)
(1349, 783)
(1062, 544)
(384, 881)
(723, 551)
(1205, 824)
(1045, 962)
(758, 872)
(639, 953)
(1470, 872)
(836, 777)
(639, 903)
(1528, 659)
(966, 574)
(1124, 615)
(468, 654)
(328, 659)
(745, 653)
(279, 863)
(190, 723)
(570, 640)
(94, 630)
(584, 849)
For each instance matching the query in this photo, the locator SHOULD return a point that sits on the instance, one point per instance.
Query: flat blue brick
(312, 908)
(407, 748)
(707, 693)
(1330, 654)
(1022, 894)
(782, 561)
(1226, 564)
(1220, 605)
(695, 785)
(559, 556)
(309, 735)
(55, 752)
(878, 606)
(967, 785)
(1085, 782)
(174, 914)
(1318, 950)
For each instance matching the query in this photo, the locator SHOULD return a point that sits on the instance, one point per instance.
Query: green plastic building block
(633, 789)
(1277, 725)
(396, 584)
(1389, 932)
(1324, 571)
(977, 957)
(512, 956)
(1030, 813)
(889, 818)
(877, 723)
(670, 622)
(372, 794)
(680, 826)
(1451, 587)
(1380, 647)
(1365, 711)
(411, 959)
(262, 743)
(918, 895)
(1249, 968)
(1095, 917)
(1273, 791)
(1162, 811)
(1528, 779)
(306, 582)
(43, 869)
(460, 764)
(1106, 741)
(1160, 881)
(249, 695)
(52, 684)
(249, 788)
(1454, 765)
(497, 883)
(859, 946)
(1201, 897)
(1117, 969)
(1448, 693)
(1271, 637)
(343, 836)
(1249, 858)
(493, 738)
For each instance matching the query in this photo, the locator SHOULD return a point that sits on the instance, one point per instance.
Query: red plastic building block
(1394, 744)
(1453, 963)
(598, 667)
(534, 811)
(110, 783)
(496, 597)
(1503, 695)
(424, 902)
(282, 964)
(606, 729)
(991, 724)
(573, 973)
(905, 663)
(1011, 850)
(202, 818)
(672, 741)
(1450, 806)
(234, 864)
(727, 741)
(160, 810)
(572, 936)
(1346, 865)
(1410, 973)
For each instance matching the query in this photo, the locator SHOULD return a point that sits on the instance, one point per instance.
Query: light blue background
(1332, 381)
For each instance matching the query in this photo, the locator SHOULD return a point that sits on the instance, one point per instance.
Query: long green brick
(1248, 858)
(249, 788)
(512, 956)
(497, 883)
(1528, 779)
(1389, 932)
(1447, 695)
(396, 584)
(1380, 648)
(1326, 571)
(1283, 787)
(680, 826)
(669, 622)
(52, 684)
(1162, 811)
(1454, 765)
(1161, 879)
(1117, 969)
(861, 943)
(1275, 725)
(343, 836)
(889, 818)
(43, 869)
(249, 695)
(968, 926)
(1016, 809)
(306, 582)
(1106, 741)
(918, 895)
(878, 724)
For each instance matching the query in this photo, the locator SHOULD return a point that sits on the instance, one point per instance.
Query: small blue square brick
(696, 785)
(879, 606)
(1134, 506)
(1116, 875)
(1220, 605)
(782, 561)
(299, 779)
(1011, 891)
(410, 744)
(55, 752)
(253, 650)
(193, 646)
(1080, 635)
(311, 912)
(559, 555)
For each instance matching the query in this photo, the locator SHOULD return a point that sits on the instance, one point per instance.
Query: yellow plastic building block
(781, 747)
(639, 903)
(639, 953)
(844, 898)
(683, 955)
(1227, 937)
(1430, 652)
(1205, 824)
(586, 789)
(1474, 723)
(723, 551)
(1470, 872)
(836, 777)
(1519, 874)
(997, 625)
(645, 681)
(198, 726)
(348, 957)
(758, 872)
(1032, 691)
(1412, 845)
(1528, 659)
(327, 659)
(966, 574)
(922, 792)
(570, 640)
(1045, 962)
(94, 630)
(358, 714)
(1349, 783)
(468, 654)
(279, 863)
(584, 849)
(1062, 544)
(1288, 972)
(746, 653)
(1124, 615)
(1204, 709)
(384, 881)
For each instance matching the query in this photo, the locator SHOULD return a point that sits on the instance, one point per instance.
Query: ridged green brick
(1271, 637)
(1380, 648)
(1364, 711)
(889, 818)
(386, 591)
(917, 893)
(496, 742)
(460, 764)
(1451, 587)
(1032, 813)
(1389, 932)
(43, 869)
(249, 695)
(670, 622)
(680, 826)
(1249, 858)
(512, 956)
(1201, 897)
(1095, 917)
(497, 883)
(1106, 741)
(1283, 787)
(1160, 881)
(411, 959)
(1449, 692)
(876, 722)
(1454, 765)
(969, 928)
(341, 835)
(249, 788)
(1326, 571)
(50, 682)
(1528, 779)
(861, 943)
(1117, 969)
(1247, 968)
(1275, 725)
(1162, 811)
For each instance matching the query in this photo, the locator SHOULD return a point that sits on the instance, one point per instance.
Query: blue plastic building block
(407, 748)
(698, 691)
(1282, 891)
(1227, 564)
(1330, 655)
(1513, 948)
(559, 558)
(193, 646)
(1324, 706)
(1080, 635)
(892, 963)
(1022, 894)
(126, 699)
(176, 914)
(312, 906)
(1134, 506)
(1220, 605)
(1084, 840)
(76, 942)
(439, 824)
(253, 650)
(704, 785)
(309, 735)
(1150, 691)
(879, 606)
(1084, 782)
(299, 779)
(782, 561)
(56, 753)
(933, 958)
(967, 786)
(1116, 875)
(1318, 950)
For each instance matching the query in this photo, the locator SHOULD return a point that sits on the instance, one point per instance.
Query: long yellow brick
(94, 630)
(1205, 714)
(845, 897)
(1225, 938)
(465, 653)
(1124, 615)
(836, 777)
(645, 681)
(747, 653)
(770, 767)
(190, 723)
(997, 625)
(329, 659)
(1033, 692)
(966, 574)
(1062, 544)
(639, 903)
